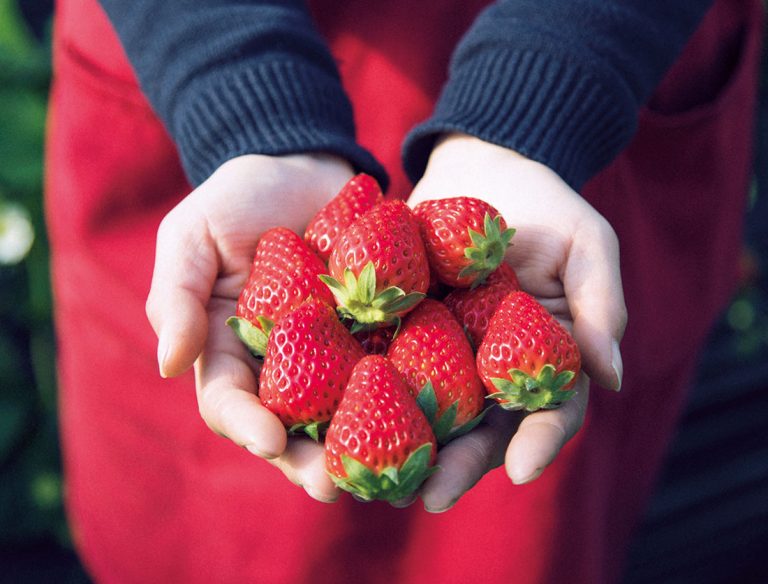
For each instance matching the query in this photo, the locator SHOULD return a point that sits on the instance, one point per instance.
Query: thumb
(592, 280)
(185, 270)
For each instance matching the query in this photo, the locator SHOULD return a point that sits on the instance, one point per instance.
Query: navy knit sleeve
(229, 77)
(560, 81)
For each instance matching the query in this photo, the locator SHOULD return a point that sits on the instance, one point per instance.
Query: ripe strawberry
(283, 274)
(379, 444)
(361, 193)
(527, 359)
(474, 307)
(466, 239)
(378, 267)
(309, 358)
(435, 357)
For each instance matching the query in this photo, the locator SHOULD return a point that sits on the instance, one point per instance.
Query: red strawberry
(379, 444)
(309, 358)
(284, 273)
(378, 267)
(527, 359)
(361, 193)
(474, 307)
(435, 357)
(466, 239)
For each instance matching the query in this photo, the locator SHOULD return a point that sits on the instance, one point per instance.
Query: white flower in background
(16, 233)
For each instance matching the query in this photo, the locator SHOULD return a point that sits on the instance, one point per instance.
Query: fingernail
(520, 478)
(163, 350)
(443, 509)
(256, 452)
(617, 364)
(404, 502)
(312, 493)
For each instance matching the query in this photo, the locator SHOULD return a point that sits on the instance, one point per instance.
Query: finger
(226, 391)
(405, 501)
(303, 463)
(542, 434)
(592, 280)
(465, 460)
(185, 269)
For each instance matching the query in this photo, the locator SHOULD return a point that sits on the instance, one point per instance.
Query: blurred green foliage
(31, 486)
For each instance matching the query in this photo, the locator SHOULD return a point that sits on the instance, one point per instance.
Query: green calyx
(314, 429)
(443, 425)
(487, 251)
(357, 299)
(391, 484)
(524, 392)
(254, 337)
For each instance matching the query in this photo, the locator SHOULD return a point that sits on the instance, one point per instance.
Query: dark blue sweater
(560, 81)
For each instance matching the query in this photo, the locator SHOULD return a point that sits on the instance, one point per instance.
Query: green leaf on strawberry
(390, 484)
(443, 425)
(314, 429)
(252, 336)
(358, 300)
(488, 249)
(524, 392)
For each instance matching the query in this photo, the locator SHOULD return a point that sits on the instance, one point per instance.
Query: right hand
(566, 255)
(205, 246)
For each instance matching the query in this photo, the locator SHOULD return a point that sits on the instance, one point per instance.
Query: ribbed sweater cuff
(276, 108)
(549, 109)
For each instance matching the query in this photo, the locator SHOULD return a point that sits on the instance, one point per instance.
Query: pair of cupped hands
(564, 253)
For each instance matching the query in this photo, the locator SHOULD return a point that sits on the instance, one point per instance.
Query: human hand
(205, 246)
(566, 255)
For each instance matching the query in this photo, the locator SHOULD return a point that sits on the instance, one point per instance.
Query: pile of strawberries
(383, 329)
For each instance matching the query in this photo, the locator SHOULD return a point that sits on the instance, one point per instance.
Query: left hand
(205, 247)
(566, 255)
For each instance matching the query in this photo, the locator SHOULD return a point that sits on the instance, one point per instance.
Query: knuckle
(478, 448)
(550, 426)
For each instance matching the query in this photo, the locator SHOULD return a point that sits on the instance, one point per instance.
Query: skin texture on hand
(565, 254)
(205, 246)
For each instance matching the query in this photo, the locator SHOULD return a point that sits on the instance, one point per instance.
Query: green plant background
(32, 521)
(35, 542)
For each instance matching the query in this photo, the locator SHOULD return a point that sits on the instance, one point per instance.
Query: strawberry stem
(314, 429)
(358, 300)
(389, 484)
(487, 250)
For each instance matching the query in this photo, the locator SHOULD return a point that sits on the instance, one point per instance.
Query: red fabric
(154, 496)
